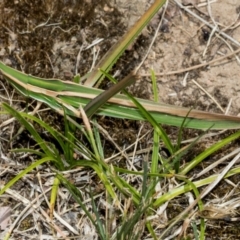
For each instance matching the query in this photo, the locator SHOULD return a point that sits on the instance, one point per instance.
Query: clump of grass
(131, 210)
(144, 198)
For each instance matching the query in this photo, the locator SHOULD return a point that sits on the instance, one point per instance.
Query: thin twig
(207, 23)
(203, 193)
(194, 67)
(155, 36)
(228, 107)
(205, 91)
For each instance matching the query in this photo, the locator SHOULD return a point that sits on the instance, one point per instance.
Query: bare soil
(44, 38)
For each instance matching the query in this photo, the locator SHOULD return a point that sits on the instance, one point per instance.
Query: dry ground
(44, 38)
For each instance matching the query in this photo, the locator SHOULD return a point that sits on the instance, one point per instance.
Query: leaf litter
(47, 44)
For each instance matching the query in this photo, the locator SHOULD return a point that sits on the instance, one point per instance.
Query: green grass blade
(101, 174)
(200, 206)
(156, 138)
(78, 198)
(49, 152)
(186, 188)
(208, 152)
(27, 150)
(69, 130)
(53, 197)
(98, 220)
(148, 117)
(125, 188)
(25, 171)
(98, 140)
(68, 96)
(116, 51)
